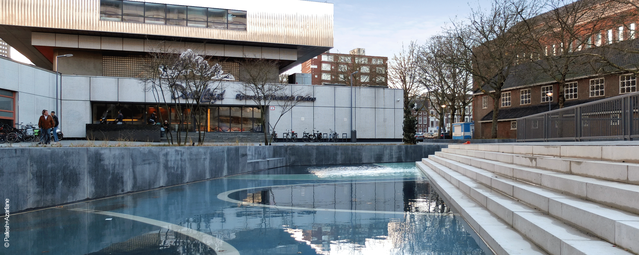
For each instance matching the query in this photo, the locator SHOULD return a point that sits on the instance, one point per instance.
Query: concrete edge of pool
(45, 177)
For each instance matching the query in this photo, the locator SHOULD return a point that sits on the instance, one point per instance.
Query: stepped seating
(561, 199)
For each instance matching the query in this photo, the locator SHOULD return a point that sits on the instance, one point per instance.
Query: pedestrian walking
(45, 124)
(55, 126)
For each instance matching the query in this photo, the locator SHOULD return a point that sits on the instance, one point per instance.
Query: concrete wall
(42, 177)
(376, 112)
(35, 89)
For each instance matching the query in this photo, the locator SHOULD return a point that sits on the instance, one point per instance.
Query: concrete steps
(557, 210)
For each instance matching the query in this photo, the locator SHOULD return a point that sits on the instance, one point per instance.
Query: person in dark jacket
(45, 124)
(120, 118)
(55, 126)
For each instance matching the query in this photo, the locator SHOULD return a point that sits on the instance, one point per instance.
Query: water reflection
(344, 210)
(387, 196)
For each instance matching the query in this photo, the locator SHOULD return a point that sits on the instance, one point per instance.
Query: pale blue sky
(381, 26)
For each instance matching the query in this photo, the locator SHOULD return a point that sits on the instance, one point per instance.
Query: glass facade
(216, 119)
(7, 107)
(176, 15)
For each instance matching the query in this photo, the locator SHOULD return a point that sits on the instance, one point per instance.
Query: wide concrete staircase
(524, 199)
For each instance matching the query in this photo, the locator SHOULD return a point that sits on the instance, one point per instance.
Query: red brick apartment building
(526, 89)
(336, 68)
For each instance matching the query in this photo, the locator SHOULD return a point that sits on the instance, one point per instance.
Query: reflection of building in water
(328, 232)
(370, 196)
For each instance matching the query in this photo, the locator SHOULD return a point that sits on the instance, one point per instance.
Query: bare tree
(492, 40)
(451, 85)
(558, 43)
(403, 73)
(260, 81)
(186, 79)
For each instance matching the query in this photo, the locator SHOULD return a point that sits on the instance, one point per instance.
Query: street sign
(272, 108)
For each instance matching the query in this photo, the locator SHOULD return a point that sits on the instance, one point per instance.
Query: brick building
(335, 68)
(529, 90)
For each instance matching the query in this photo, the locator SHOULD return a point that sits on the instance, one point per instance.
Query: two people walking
(46, 123)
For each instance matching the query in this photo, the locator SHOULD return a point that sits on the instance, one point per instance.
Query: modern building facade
(335, 68)
(101, 49)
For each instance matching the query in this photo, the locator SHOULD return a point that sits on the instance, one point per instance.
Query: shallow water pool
(364, 209)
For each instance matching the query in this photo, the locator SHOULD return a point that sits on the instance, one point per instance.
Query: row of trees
(558, 39)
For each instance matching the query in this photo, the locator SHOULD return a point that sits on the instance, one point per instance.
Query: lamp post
(549, 94)
(441, 132)
(58, 99)
(353, 132)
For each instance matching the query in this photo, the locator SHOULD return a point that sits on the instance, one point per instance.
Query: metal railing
(615, 118)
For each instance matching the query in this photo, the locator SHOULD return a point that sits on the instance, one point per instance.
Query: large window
(364, 78)
(570, 90)
(155, 13)
(7, 111)
(133, 12)
(237, 20)
(196, 17)
(344, 59)
(381, 70)
(111, 10)
(326, 76)
(343, 68)
(326, 67)
(216, 119)
(365, 69)
(361, 60)
(627, 83)
(217, 18)
(597, 87)
(545, 98)
(505, 99)
(378, 61)
(524, 96)
(176, 15)
(327, 58)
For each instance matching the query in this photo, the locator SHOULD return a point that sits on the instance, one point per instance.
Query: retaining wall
(42, 177)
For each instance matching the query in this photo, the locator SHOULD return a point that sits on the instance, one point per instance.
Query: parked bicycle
(333, 136)
(317, 136)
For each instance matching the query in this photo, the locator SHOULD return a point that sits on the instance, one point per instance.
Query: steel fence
(615, 118)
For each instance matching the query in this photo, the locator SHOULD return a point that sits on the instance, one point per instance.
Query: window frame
(525, 101)
(484, 102)
(571, 85)
(544, 90)
(505, 99)
(632, 80)
(601, 89)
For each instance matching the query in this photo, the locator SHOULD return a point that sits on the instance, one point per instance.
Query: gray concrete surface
(36, 177)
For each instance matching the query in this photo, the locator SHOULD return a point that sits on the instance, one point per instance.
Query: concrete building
(335, 68)
(110, 42)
